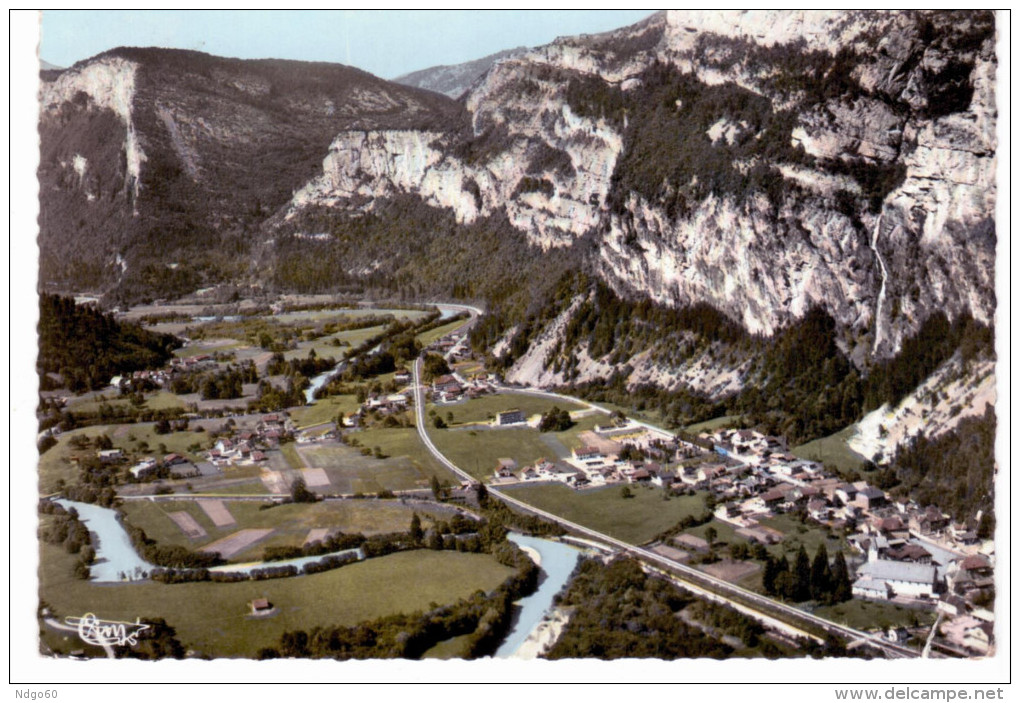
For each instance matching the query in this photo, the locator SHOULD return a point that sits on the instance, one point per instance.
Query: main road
(698, 580)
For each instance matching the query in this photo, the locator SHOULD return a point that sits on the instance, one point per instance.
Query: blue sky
(387, 43)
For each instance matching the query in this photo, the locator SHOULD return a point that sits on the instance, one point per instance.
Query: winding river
(557, 563)
(117, 560)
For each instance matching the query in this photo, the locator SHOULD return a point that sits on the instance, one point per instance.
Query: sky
(387, 43)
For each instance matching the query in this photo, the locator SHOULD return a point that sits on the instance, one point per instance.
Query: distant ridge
(453, 81)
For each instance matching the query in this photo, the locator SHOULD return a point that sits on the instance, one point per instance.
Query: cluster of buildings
(249, 446)
(909, 553)
(590, 466)
(452, 388)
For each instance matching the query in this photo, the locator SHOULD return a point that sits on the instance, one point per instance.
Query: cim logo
(92, 630)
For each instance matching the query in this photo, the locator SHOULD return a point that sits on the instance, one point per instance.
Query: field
(426, 338)
(324, 347)
(160, 400)
(486, 407)
(407, 464)
(832, 451)
(636, 520)
(477, 451)
(810, 535)
(868, 615)
(713, 424)
(290, 523)
(212, 618)
(324, 410)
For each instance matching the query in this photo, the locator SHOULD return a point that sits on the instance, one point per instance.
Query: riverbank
(544, 636)
(533, 554)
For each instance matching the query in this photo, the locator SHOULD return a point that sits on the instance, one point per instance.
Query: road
(734, 595)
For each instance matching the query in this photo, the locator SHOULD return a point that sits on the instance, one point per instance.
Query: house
(173, 459)
(897, 635)
(952, 605)
(588, 454)
(691, 543)
(901, 578)
(708, 473)
(510, 417)
(108, 456)
(145, 467)
(261, 606)
(402, 376)
(845, 493)
(870, 498)
(446, 384)
(505, 468)
(978, 638)
(641, 476)
(910, 552)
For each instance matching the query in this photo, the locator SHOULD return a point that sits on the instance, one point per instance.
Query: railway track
(734, 594)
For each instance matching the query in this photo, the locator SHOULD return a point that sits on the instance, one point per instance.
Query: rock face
(763, 163)
(151, 149)
(861, 181)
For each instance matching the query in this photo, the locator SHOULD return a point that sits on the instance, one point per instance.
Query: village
(905, 553)
(902, 553)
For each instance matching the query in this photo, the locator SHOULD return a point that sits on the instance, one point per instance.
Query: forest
(88, 347)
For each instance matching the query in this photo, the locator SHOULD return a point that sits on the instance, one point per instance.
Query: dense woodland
(621, 612)
(87, 347)
(955, 471)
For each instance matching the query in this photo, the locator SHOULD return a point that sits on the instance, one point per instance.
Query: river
(117, 560)
(558, 562)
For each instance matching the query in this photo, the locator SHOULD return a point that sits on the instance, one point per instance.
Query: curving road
(688, 575)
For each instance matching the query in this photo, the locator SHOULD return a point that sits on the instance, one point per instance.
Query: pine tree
(416, 531)
(768, 577)
(842, 590)
(821, 576)
(801, 576)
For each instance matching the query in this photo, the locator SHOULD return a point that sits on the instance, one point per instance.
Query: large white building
(895, 578)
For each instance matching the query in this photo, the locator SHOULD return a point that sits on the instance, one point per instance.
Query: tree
(801, 576)
(299, 492)
(821, 576)
(625, 492)
(436, 490)
(770, 571)
(482, 493)
(438, 422)
(416, 531)
(986, 526)
(842, 590)
(710, 535)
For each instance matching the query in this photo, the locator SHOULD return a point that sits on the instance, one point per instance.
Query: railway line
(729, 592)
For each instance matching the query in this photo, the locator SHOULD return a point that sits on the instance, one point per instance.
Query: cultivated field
(212, 618)
(486, 407)
(323, 410)
(289, 524)
(635, 520)
(232, 545)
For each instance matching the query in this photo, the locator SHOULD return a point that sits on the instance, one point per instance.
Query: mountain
(158, 166)
(773, 214)
(761, 162)
(454, 81)
(45, 65)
